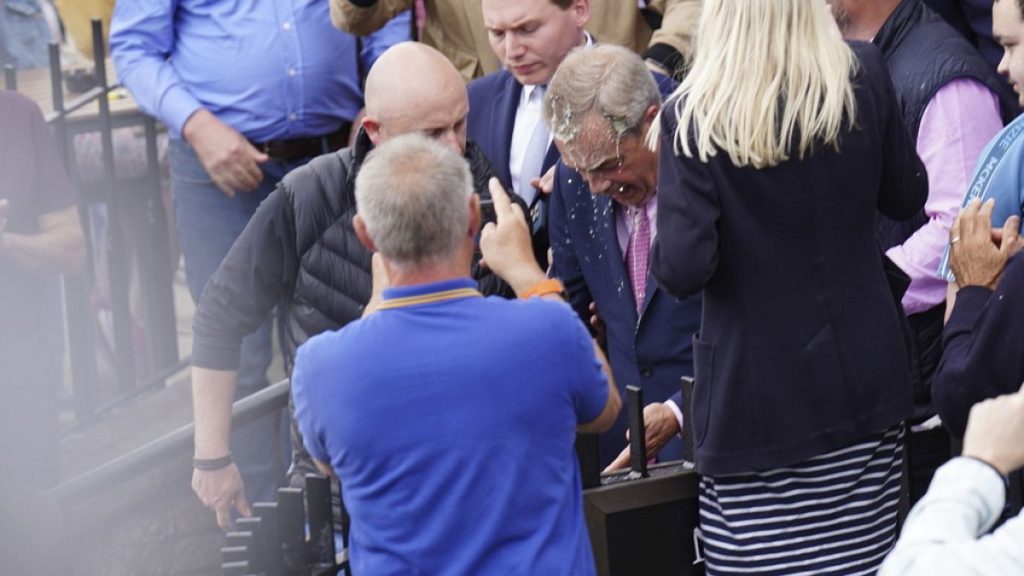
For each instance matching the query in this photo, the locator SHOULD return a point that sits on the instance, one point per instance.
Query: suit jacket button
(646, 372)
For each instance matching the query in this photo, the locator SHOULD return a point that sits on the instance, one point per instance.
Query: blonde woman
(777, 152)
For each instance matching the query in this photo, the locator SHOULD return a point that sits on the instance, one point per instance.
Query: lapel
(550, 160)
(505, 103)
(606, 238)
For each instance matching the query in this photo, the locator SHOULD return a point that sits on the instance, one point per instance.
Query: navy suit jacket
(651, 350)
(493, 101)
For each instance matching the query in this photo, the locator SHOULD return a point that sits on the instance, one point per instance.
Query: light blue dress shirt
(271, 69)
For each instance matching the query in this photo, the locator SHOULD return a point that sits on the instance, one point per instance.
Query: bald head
(413, 88)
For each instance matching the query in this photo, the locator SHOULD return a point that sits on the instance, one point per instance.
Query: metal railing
(141, 204)
(108, 476)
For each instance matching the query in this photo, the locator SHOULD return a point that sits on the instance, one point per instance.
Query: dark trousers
(928, 449)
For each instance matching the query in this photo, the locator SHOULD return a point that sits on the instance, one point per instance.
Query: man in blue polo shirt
(450, 417)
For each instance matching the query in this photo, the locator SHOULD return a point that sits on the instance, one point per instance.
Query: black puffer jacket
(924, 54)
(300, 252)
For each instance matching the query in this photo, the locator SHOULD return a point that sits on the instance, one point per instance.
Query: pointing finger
(502, 203)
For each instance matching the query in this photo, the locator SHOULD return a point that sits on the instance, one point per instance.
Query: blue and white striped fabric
(833, 514)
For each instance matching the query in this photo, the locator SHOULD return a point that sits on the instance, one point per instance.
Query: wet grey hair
(608, 80)
(413, 195)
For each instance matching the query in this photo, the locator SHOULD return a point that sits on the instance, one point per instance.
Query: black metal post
(156, 276)
(10, 77)
(637, 435)
(118, 261)
(291, 520)
(589, 455)
(321, 526)
(269, 545)
(77, 288)
(255, 528)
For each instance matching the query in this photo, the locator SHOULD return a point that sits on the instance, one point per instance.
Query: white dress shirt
(528, 114)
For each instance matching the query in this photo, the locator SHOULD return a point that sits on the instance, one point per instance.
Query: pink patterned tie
(637, 253)
(421, 17)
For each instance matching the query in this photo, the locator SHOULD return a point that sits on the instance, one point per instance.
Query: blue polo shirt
(450, 420)
(999, 174)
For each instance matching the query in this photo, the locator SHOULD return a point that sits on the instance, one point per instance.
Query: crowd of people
(472, 243)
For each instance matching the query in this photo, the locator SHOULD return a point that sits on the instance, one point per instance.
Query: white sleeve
(943, 533)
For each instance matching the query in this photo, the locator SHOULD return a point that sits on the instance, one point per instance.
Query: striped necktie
(638, 254)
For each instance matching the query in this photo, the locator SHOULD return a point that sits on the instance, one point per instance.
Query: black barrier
(644, 520)
(275, 541)
(140, 207)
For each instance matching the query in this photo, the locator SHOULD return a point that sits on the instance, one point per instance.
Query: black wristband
(363, 3)
(211, 464)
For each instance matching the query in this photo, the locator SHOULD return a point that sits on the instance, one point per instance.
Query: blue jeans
(208, 223)
(24, 35)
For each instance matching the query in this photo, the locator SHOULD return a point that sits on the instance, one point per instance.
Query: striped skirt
(833, 514)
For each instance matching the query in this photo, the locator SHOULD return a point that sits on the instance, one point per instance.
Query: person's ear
(364, 237)
(475, 217)
(373, 129)
(581, 9)
(651, 113)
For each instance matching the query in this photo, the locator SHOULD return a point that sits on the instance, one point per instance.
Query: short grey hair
(413, 196)
(609, 80)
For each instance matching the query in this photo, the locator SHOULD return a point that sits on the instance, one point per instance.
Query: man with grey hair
(480, 475)
(599, 106)
(300, 252)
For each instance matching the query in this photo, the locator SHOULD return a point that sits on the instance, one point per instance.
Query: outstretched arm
(57, 248)
(945, 532)
(507, 249)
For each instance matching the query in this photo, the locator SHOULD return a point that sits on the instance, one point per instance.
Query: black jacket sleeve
(258, 271)
(983, 352)
(482, 171)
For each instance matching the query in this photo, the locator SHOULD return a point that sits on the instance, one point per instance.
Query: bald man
(300, 252)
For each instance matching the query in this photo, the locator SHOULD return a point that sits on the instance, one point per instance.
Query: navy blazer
(651, 350)
(493, 101)
(983, 354)
(801, 348)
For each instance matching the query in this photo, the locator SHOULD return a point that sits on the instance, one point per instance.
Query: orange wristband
(544, 287)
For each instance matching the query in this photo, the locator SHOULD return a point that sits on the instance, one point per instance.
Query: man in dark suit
(600, 106)
(531, 38)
